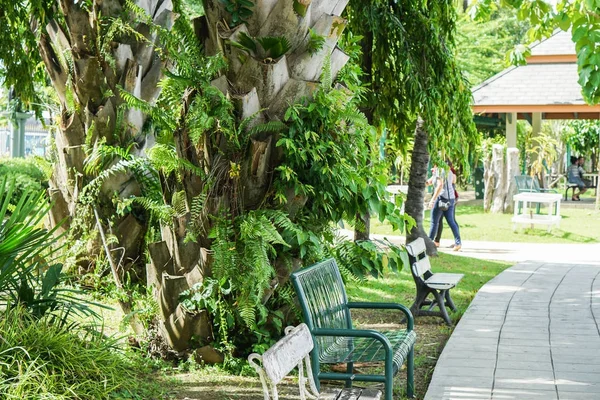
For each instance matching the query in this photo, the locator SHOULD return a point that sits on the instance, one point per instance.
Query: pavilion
(545, 88)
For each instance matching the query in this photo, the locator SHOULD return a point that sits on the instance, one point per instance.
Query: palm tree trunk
(259, 87)
(87, 67)
(416, 187)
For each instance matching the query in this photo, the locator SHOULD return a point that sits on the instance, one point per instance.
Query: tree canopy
(408, 58)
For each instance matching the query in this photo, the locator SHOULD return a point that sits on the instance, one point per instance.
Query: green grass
(213, 383)
(40, 359)
(399, 287)
(577, 226)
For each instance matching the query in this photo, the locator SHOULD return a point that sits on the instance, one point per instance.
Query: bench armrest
(386, 306)
(361, 333)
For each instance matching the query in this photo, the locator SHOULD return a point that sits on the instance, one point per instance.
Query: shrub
(42, 360)
(30, 174)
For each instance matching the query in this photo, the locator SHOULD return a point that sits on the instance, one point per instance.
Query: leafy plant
(40, 359)
(373, 257)
(29, 271)
(328, 159)
(240, 10)
(266, 48)
(29, 174)
(315, 42)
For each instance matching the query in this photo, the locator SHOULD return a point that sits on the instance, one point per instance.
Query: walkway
(530, 333)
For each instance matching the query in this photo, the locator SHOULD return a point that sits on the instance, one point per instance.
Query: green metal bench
(326, 312)
(530, 184)
(526, 183)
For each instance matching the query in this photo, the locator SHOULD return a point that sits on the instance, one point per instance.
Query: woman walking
(442, 204)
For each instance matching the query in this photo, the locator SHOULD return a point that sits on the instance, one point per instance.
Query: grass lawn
(577, 226)
(213, 384)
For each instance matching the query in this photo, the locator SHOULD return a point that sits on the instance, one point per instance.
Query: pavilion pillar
(511, 130)
(536, 130)
(536, 123)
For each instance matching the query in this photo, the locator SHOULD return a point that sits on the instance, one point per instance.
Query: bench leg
(449, 301)
(389, 381)
(410, 366)
(350, 370)
(419, 300)
(316, 369)
(439, 296)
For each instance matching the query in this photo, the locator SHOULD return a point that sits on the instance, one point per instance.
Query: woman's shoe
(575, 199)
(456, 247)
(437, 244)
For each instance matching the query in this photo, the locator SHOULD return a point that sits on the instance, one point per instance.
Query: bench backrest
(292, 351)
(526, 183)
(419, 261)
(323, 299)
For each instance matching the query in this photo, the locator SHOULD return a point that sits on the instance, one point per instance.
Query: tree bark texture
(416, 187)
(512, 170)
(87, 71)
(499, 179)
(494, 180)
(263, 89)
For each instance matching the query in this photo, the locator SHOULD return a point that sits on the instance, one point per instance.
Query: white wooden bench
(438, 285)
(291, 352)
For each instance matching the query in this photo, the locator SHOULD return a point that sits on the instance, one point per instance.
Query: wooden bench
(292, 351)
(438, 285)
(326, 312)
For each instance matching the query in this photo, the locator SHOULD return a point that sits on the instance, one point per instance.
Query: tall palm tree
(276, 51)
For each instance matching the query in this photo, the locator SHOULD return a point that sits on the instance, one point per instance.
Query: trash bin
(478, 183)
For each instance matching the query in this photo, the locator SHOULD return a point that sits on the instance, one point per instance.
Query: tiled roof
(533, 84)
(559, 43)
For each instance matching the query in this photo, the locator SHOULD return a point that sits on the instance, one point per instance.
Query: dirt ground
(432, 335)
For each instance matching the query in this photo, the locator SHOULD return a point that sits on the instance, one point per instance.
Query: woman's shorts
(579, 182)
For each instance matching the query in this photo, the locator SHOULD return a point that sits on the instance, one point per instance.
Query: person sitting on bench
(574, 176)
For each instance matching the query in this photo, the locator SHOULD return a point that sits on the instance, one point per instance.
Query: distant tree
(580, 16)
(482, 47)
(410, 70)
(584, 137)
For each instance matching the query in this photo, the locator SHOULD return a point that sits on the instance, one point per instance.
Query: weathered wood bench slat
(358, 394)
(427, 283)
(291, 352)
(326, 311)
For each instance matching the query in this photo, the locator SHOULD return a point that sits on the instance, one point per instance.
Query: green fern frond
(268, 127)
(326, 78)
(163, 212)
(247, 313)
(315, 42)
(179, 203)
(138, 11)
(158, 115)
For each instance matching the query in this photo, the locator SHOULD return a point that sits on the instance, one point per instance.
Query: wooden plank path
(530, 333)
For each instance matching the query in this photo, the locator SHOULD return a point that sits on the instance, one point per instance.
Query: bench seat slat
(354, 394)
(347, 349)
(444, 279)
